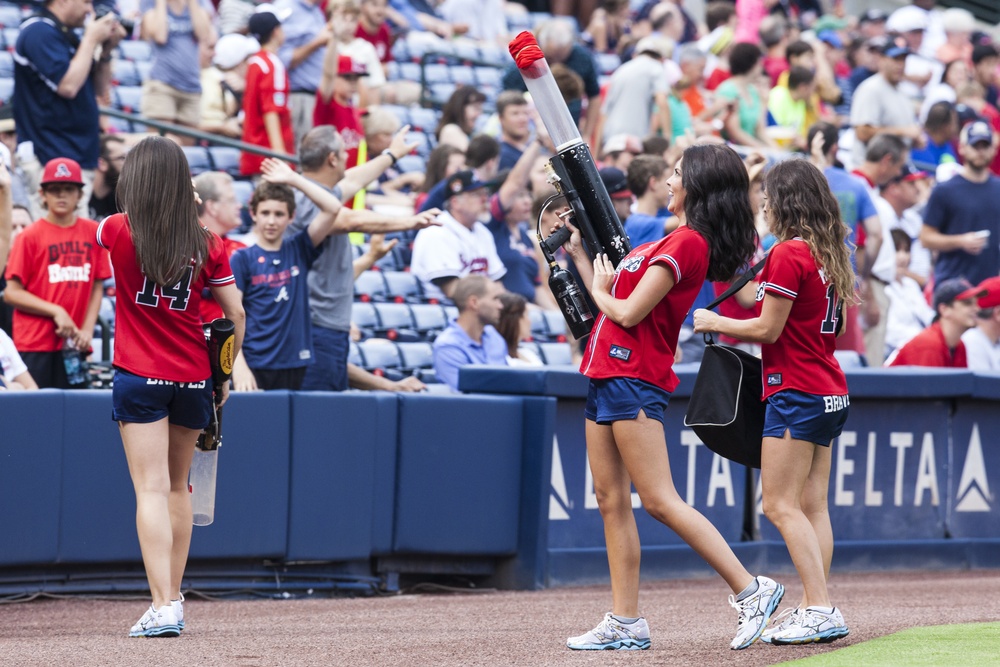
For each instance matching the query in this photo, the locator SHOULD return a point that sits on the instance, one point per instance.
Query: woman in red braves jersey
(807, 273)
(163, 258)
(628, 360)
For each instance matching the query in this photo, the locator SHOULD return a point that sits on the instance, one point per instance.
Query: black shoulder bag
(726, 411)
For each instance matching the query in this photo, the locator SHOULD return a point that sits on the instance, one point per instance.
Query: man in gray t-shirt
(322, 157)
(636, 89)
(879, 107)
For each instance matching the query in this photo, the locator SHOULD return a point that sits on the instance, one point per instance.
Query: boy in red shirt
(55, 278)
(940, 345)
(267, 120)
(335, 100)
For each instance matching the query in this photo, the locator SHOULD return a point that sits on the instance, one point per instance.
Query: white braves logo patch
(760, 292)
(632, 264)
(62, 171)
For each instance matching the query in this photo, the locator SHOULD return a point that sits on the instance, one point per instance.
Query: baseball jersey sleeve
(435, 255)
(782, 274)
(217, 268)
(685, 254)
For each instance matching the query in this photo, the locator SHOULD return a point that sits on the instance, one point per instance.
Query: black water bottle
(571, 301)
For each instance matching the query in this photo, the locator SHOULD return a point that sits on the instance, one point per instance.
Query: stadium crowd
(411, 114)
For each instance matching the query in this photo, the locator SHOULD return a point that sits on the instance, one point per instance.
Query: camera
(102, 10)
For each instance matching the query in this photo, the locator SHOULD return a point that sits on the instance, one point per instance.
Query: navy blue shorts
(329, 370)
(616, 399)
(140, 400)
(809, 417)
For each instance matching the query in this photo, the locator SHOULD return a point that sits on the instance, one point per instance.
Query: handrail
(425, 98)
(217, 139)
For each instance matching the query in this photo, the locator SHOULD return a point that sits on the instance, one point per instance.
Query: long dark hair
(800, 203)
(453, 110)
(156, 193)
(509, 324)
(717, 206)
(437, 164)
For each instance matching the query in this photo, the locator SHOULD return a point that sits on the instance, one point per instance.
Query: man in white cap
(223, 83)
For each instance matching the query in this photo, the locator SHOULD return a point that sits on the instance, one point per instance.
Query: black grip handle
(555, 240)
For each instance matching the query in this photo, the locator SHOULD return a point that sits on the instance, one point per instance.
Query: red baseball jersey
(152, 320)
(929, 348)
(210, 309)
(346, 119)
(646, 350)
(802, 357)
(59, 265)
(266, 91)
(381, 40)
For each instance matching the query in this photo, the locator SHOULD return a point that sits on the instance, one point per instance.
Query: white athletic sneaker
(160, 622)
(178, 606)
(812, 625)
(755, 611)
(612, 635)
(781, 622)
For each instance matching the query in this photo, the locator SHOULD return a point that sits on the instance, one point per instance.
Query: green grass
(937, 646)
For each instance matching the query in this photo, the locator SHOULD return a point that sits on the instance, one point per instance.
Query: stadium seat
(488, 76)
(225, 158)
(369, 286)
(123, 72)
(849, 359)
(402, 287)
(10, 15)
(6, 64)
(440, 92)
(143, 67)
(400, 51)
(354, 355)
(467, 51)
(392, 70)
(409, 71)
(136, 49)
(463, 75)
(415, 356)
(395, 322)
(539, 325)
(198, 160)
(127, 98)
(607, 62)
(409, 163)
(436, 73)
(450, 311)
(555, 324)
(10, 37)
(400, 112)
(243, 190)
(392, 262)
(556, 354)
(6, 90)
(531, 346)
(429, 319)
(422, 142)
(119, 125)
(494, 53)
(424, 119)
(381, 357)
(365, 318)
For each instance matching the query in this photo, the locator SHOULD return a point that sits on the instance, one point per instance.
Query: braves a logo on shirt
(760, 292)
(632, 264)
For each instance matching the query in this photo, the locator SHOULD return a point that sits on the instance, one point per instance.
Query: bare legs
(795, 476)
(159, 458)
(635, 452)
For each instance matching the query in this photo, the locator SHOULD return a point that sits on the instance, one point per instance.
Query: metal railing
(164, 127)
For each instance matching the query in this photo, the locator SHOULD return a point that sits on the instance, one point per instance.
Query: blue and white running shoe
(813, 626)
(610, 635)
(755, 611)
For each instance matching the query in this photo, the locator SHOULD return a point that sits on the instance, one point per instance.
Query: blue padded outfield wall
(494, 483)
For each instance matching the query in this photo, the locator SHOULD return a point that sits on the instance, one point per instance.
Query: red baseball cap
(62, 170)
(348, 66)
(988, 293)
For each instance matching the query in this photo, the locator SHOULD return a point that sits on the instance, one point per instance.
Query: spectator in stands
(616, 183)
(458, 117)
(482, 157)
(103, 201)
(515, 126)
(331, 280)
(267, 118)
(878, 106)
(647, 179)
(872, 23)
(788, 104)
(619, 151)
(58, 76)
(908, 311)
(461, 245)
(953, 77)
(940, 133)
(443, 162)
(335, 99)
(985, 61)
(472, 338)
(609, 24)
(940, 344)
(8, 138)
(55, 278)
(803, 54)
(972, 105)
(392, 188)
(746, 125)
(960, 222)
(271, 277)
(306, 33)
(223, 84)
(374, 28)
(486, 19)
(176, 28)
(515, 326)
(773, 33)
(899, 204)
(510, 211)
(219, 212)
(557, 41)
(234, 15)
(14, 375)
(958, 25)
(982, 342)
(636, 99)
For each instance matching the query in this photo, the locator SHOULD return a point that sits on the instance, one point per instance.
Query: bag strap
(739, 284)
